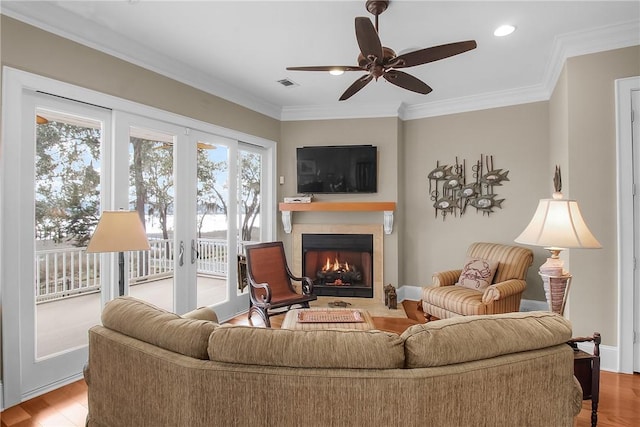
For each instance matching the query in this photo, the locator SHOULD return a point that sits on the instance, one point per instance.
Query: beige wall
(383, 133)
(518, 139)
(591, 147)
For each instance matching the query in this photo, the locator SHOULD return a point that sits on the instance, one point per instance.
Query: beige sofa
(148, 367)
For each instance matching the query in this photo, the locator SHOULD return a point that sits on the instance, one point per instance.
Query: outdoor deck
(63, 324)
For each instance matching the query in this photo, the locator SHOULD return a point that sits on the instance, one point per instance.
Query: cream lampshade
(119, 231)
(557, 224)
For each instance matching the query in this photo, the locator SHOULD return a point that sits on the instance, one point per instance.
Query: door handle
(181, 254)
(194, 252)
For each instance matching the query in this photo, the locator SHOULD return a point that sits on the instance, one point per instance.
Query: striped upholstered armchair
(491, 282)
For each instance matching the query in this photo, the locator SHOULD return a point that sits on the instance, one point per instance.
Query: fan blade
(356, 86)
(368, 39)
(431, 54)
(407, 81)
(328, 68)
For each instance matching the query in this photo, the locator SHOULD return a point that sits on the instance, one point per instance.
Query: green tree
(250, 169)
(66, 184)
(151, 178)
(210, 190)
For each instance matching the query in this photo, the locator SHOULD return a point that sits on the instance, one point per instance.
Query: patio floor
(63, 324)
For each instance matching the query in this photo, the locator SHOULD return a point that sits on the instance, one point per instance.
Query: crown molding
(339, 111)
(566, 46)
(580, 43)
(475, 102)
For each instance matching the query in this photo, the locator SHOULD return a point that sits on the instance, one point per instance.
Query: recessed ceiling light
(504, 30)
(336, 72)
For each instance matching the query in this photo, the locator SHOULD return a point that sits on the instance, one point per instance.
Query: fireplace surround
(375, 235)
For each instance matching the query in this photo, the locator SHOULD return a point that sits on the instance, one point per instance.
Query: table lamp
(557, 224)
(119, 231)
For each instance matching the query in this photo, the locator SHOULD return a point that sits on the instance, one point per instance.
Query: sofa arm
(445, 278)
(85, 373)
(202, 313)
(502, 290)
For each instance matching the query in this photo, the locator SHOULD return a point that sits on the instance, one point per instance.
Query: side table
(586, 368)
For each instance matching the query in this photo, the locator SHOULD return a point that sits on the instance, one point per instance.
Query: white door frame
(626, 228)
(14, 82)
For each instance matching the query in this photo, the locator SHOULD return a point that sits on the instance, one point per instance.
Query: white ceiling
(238, 50)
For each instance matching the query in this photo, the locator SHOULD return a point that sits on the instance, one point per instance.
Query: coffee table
(291, 320)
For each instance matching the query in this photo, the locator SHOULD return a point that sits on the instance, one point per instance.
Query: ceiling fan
(380, 61)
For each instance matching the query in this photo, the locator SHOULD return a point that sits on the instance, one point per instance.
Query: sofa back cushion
(467, 338)
(307, 349)
(146, 322)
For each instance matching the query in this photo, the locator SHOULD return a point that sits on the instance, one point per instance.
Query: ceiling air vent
(287, 83)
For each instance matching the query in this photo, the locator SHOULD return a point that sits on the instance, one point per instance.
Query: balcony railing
(65, 272)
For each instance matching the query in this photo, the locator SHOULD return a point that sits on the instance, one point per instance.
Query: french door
(200, 192)
(146, 156)
(59, 188)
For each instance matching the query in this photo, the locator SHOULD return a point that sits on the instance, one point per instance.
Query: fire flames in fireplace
(338, 273)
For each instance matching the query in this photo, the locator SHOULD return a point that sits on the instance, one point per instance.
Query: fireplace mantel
(386, 207)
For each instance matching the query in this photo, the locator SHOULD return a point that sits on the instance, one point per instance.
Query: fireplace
(339, 264)
(375, 230)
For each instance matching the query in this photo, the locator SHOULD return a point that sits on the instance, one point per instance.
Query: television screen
(337, 169)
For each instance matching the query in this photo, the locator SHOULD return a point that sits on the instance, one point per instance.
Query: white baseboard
(608, 356)
(50, 387)
(533, 305)
(413, 293)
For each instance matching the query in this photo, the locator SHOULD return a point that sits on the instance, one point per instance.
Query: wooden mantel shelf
(386, 207)
(339, 206)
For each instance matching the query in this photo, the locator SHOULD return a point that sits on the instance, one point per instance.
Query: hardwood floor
(67, 406)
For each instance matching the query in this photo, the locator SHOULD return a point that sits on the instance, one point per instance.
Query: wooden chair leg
(262, 313)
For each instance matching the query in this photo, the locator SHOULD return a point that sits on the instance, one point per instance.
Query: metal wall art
(451, 193)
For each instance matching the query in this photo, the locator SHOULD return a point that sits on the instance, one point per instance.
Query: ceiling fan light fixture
(378, 61)
(504, 30)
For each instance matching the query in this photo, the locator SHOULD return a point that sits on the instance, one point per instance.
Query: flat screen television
(337, 169)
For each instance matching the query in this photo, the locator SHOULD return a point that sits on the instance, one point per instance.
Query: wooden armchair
(270, 287)
(445, 299)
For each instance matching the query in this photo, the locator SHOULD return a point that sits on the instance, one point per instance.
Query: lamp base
(556, 289)
(554, 266)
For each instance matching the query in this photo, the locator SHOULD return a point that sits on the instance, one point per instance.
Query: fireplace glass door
(339, 264)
